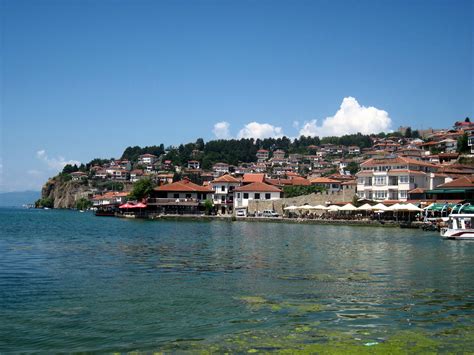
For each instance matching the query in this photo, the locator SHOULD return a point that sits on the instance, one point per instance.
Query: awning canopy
(348, 207)
(365, 207)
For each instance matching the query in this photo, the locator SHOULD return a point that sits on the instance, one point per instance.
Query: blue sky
(85, 79)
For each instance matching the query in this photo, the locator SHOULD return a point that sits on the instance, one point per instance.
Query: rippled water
(71, 281)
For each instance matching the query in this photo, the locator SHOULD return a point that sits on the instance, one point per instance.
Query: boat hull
(458, 234)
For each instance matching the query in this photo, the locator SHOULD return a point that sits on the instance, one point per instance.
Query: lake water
(71, 281)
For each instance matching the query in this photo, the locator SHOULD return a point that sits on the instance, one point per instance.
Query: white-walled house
(390, 178)
(223, 197)
(255, 191)
(147, 159)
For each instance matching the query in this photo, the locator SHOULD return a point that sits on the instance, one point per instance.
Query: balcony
(173, 201)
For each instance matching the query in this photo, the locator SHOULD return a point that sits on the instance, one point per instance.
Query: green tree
(44, 202)
(141, 189)
(353, 167)
(467, 119)
(408, 133)
(462, 144)
(83, 204)
(208, 206)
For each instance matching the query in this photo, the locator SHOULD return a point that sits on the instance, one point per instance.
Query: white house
(254, 191)
(136, 175)
(391, 177)
(78, 176)
(193, 164)
(220, 169)
(223, 196)
(147, 159)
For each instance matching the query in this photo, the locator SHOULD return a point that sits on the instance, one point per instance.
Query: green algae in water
(306, 339)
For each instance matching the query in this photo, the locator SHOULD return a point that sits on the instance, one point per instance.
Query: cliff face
(64, 193)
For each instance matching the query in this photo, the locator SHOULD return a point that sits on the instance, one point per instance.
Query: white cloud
(260, 130)
(350, 118)
(221, 130)
(55, 163)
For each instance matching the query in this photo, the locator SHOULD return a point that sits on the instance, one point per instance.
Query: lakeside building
(109, 198)
(223, 197)
(180, 197)
(330, 185)
(461, 189)
(392, 177)
(255, 191)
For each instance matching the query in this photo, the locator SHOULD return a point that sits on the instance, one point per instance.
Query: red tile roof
(259, 187)
(323, 180)
(183, 186)
(394, 161)
(464, 181)
(226, 178)
(253, 178)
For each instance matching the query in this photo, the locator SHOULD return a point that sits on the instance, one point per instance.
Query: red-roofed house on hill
(330, 185)
(262, 155)
(391, 177)
(250, 178)
(223, 197)
(255, 191)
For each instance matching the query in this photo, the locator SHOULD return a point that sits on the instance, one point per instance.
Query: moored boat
(460, 227)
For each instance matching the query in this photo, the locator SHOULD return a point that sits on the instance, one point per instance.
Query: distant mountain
(17, 199)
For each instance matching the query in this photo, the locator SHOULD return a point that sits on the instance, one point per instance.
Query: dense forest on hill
(234, 151)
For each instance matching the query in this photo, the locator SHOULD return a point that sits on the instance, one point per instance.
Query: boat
(460, 227)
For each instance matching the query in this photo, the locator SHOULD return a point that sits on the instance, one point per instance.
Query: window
(412, 179)
(267, 196)
(402, 194)
(403, 179)
(380, 180)
(222, 199)
(188, 195)
(257, 196)
(238, 194)
(246, 196)
(222, 188)
(176, 196)
(380, 195)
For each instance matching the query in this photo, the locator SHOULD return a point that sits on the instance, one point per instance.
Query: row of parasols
(378, 208)
(129, 205)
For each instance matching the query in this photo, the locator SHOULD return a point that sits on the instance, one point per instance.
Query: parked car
(270, 213)
(240, 213)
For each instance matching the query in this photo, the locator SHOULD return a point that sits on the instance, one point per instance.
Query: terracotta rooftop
(258, 186)
(226, 178)
(394, 161)
(324, 180)
(183, 186)
(253, 178)
(463, 181)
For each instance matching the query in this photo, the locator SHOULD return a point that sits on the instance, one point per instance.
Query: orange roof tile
(259, 187)
(323, 180)
(226, 178)
(183, 186)
(253, 178)
(463, 181)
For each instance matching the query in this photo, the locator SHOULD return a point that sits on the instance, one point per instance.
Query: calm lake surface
(71, 281)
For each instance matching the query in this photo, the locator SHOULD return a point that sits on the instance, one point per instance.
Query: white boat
(460, 227)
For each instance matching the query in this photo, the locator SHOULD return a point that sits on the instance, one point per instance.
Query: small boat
(460, 227)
